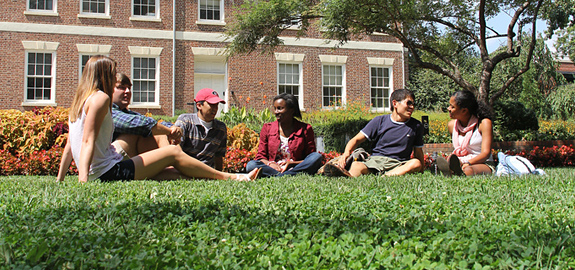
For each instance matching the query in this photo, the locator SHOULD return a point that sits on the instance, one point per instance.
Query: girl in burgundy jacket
(287, 146)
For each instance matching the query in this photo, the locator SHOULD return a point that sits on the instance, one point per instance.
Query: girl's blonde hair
(99, 75)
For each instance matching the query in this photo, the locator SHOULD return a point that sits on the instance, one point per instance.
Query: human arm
(129, 122)
(350, 146)
(174, 132)
(418, 153)
(65, 161)
(96, 109)
(486, 131)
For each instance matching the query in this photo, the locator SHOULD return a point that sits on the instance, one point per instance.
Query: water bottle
(434, 163)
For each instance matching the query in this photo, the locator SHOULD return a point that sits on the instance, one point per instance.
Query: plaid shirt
(130, 122)
(200, 143)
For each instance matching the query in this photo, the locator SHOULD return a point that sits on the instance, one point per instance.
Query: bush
(249, 117)
(511, 116)
(561, 101)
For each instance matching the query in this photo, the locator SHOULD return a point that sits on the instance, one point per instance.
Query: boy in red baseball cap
(204, 137)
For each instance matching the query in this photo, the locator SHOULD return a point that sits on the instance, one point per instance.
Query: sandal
(455, 165)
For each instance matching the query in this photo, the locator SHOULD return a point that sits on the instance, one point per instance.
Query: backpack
(515, 165)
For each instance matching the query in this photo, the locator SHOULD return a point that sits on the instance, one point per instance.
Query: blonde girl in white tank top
(90, 129)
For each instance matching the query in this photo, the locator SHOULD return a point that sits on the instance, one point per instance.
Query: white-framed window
(332, 85)
(145, 80)
(95, 7)
(145, 71)
(380, 87)
(42, 7)
(40, 76)
(211, 10)
(40, 73)
(290, 79)
(145, 10)
(86, 51)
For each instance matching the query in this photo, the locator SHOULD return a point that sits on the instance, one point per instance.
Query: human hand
(288, 165)
(175, 136)
(274, 166)
(342, 159)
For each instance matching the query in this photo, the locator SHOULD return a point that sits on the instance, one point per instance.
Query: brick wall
(252, 76)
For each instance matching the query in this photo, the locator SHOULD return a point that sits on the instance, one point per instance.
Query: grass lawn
(420, 221)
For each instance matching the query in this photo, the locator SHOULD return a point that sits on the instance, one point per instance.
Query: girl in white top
(472, 134)
(91, 128)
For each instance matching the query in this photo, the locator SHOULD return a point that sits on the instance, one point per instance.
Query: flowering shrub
(39, 129)
(329, 156)
(237, 159)
(241, 137)
(556, 156)
(39, 162)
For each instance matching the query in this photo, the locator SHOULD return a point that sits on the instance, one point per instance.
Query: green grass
(411, 222)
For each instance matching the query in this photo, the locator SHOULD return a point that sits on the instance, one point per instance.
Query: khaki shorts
(381, 164)
(120, 151)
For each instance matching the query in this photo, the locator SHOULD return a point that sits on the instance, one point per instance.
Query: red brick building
(567, 68)
(172, 49)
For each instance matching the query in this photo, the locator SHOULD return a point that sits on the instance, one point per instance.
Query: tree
(435, 32)
(560, 15)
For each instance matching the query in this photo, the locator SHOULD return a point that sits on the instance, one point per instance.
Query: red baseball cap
(209, 95)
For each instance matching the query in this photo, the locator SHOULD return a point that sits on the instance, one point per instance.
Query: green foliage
(411, 222)
(560, 15)
(252, 119)
(562, 101)
(513, 115)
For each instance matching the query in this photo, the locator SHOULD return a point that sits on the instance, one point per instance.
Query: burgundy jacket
(301, 142)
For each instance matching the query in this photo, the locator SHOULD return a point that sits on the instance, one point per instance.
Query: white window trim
(40, 47)
(42, 12)
(91, 49)
(382, 63)
(89, 15)
(292, 58)
(221, 21)
(143, 18)
(385, 109)
(335, 60)
(146, 52)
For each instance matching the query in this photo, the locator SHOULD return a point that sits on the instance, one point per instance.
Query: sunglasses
(410, 103)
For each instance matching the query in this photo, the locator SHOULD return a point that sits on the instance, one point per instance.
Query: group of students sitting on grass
(109, 142)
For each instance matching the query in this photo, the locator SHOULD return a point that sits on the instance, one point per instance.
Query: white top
(474, 147)
(105, 156)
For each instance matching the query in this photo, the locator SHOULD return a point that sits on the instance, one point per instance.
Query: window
(40, 76)
(332, 85)
(147, 8)
(380, 88)
(42, 5)
(211, 10)
(88, 50)
(289, 79)
(144, 82)
(99, 7)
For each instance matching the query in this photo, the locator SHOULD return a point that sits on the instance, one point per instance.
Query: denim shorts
(123, 170)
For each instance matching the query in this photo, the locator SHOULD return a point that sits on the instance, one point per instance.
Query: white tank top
(105, 155)
(474, 146)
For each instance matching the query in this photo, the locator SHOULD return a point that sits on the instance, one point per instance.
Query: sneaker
(455, 165)
(443, 166)
(331, 169)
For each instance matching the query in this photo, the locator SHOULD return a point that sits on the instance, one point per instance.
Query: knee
(252, 164)
(416, 164)
(315, 157)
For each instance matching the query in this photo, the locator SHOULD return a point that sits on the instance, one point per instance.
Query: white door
(213, 81)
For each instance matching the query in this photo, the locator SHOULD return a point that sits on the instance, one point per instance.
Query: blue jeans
(309, 165)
